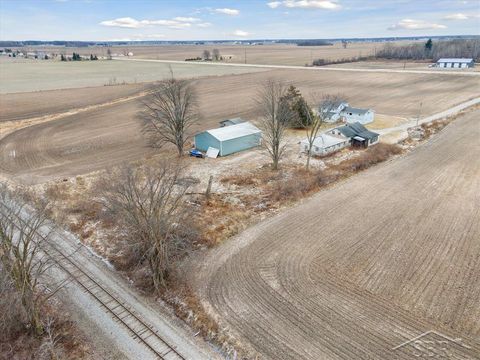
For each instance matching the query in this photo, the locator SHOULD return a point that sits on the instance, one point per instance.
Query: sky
(114, 20)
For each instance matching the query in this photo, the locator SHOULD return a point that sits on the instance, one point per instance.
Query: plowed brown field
(93, 139)
(364, 266)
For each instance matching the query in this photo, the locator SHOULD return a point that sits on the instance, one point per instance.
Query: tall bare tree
(23, 233)
(170, 110)
(206, 55)
(326, 105)
(216, 54)
(276, 116)
(149, 201)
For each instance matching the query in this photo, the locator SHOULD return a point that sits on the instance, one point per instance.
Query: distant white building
(325, 144)
(456, 63)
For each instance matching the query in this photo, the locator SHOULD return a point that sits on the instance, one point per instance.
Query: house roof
(234, 131)
(332, 107)
(234, 121)
(356, 111)
(324, 141)
(356, 129)
(455, 60)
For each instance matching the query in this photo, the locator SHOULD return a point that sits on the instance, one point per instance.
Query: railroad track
(118, 309)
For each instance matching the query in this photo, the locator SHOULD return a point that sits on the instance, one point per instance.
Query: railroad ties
(120, 311)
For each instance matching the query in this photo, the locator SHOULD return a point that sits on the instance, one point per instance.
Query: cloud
(204, 25)
(240, 33)
(227, 11)
(460, 16)
(409, 24)
(186, 19)
(306, 4)
(126, 22)
(274, 4)
(131, 23)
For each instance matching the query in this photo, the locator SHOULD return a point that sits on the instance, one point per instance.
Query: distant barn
(458, 63)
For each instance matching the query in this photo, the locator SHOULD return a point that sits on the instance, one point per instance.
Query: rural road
(438, 116)
(99, 287)
(313, 68)
(364, 266)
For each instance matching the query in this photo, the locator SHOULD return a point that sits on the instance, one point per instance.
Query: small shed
(229, 139)
(233, 121)
(458, 63)
(352, 115)
(325, 144)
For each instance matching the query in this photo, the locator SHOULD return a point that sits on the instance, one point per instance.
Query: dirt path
(365, 266)
(313, 68)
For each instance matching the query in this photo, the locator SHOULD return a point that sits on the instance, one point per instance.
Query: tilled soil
(94, 139)
(363, 267)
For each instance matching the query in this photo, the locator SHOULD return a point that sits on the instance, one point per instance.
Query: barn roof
(455, 60)
(234, 131)
(356, 129)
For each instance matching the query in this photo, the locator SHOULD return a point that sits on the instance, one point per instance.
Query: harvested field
(94, 139)
(374, 262)
(278, 54)
(36, 75)
(19, 106)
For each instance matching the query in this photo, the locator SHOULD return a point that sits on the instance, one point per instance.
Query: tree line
(432, 50)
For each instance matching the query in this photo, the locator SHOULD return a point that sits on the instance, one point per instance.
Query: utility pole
(419, 112)
(245, 55)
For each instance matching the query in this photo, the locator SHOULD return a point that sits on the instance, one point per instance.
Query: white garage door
(456, 65)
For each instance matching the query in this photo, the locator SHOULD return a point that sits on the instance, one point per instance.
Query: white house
(456, 63)
(333, 111)
(352, 115)
(325, 144)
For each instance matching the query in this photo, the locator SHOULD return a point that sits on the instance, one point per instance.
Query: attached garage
(229, 139)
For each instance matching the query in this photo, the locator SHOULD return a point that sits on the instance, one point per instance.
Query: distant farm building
(342, 111)
(229, 139)
(325, 144)
(456, 63)
(356, 134)
(229, 122)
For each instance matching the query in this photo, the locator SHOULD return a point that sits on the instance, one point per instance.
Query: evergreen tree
(301, 113)
(429, 45)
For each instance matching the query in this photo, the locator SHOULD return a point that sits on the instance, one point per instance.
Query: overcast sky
(241, 19)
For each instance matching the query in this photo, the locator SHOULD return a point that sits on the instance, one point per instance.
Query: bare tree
(109, 54)
(216, 54)
(22, 235)
(206, 55)
(276, 116)
(327, 104)
(149, 200)
(170, 111)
